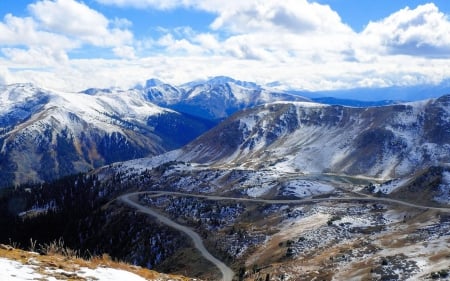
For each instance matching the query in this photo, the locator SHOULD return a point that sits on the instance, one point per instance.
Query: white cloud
(26, 32)
(126, 52)
(57, 27)
(122, 23)
(78, 21)
(291, 16)
(159, 4)
(4, 73)
(423, 31)
(267, 30)
(36, 56)
(301, 44)
(179, 46)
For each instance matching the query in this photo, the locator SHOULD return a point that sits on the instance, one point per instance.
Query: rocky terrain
(47, 134)
(381, 142)
(287, 190)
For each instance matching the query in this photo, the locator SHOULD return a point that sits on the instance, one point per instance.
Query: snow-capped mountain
(383, 142)
(213, 99)
(47, 134)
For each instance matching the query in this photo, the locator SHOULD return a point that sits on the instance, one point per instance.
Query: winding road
(363, 197)
(227, 273)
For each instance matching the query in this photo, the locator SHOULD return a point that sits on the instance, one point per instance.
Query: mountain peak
(222, 80)
(153, 82)
(217, 80)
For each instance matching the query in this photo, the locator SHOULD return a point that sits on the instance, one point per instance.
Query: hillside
(48, 134)
(383, 142)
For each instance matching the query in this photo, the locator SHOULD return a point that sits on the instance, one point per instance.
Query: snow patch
(16, 271)
(108, 274)
(304, 188)
(390, 186)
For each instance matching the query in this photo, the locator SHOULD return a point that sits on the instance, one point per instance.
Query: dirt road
(227, 273)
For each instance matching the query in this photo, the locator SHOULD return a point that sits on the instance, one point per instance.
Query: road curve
(227, 273)
(363, 197)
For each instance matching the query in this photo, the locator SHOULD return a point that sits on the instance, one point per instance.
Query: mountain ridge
(46, 134)
(383, 142)
(49, 134)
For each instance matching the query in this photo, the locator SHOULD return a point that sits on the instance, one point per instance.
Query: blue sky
(358, 13)
(311, 45)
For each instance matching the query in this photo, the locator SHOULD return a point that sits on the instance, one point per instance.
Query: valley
(194, 140)
(227, 180)
(338, 232)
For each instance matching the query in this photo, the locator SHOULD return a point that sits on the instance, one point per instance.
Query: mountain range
(214, 99)
(269, 181)
(46, 134)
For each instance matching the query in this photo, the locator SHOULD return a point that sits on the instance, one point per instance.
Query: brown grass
(71, 263)
(442, 255)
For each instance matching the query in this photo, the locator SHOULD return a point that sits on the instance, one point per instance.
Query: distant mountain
(354, 103)
(383, 142)
(397, 93)
(47, 134)
(213, 99)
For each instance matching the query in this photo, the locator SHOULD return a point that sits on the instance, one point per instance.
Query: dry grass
(56, 247)
(62, 258)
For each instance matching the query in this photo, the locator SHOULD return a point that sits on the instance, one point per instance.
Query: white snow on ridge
(301, 104)
(141, 164)
(15, 95)
(77, 110)
(126, 104)
(130, 103)
(240, 93)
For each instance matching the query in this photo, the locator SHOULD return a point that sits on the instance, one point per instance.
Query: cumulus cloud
(26, 32)
(126, 52)
(302, 44)
(159, 4)
(266, 30)
(292, 16)
(36, 56)
(423, 31)
(80, 22)
(3, 75)
(56, 27)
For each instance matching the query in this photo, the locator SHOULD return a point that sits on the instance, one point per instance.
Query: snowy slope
(213, 99)
(16, 271)
(384, 142)
(47, 134)
(19, 265)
